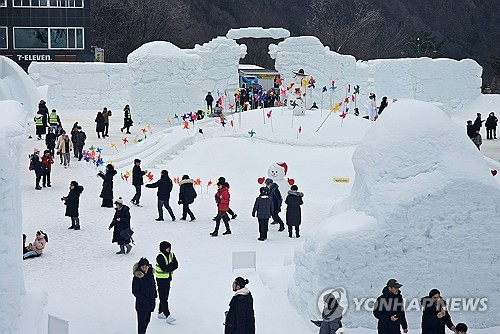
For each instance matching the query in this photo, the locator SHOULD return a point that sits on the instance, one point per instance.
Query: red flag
(209, 183)
(343, 115)
(300, 129)
(232, 123)
(269, 114)
(349, 88)
(352, 98)
(346, 100)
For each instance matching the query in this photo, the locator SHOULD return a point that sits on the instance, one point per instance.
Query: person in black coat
(144, 291)
(164, 185)
(50, 142)
(263, 208)
(187, 194)
(491, 126)
(72, 202)
(137, 182)
(471, 130)
(107, 186)
(383, 105)
(166, 264)
(121, 227)
(275, 195)
(478, 122)
(99, 125)
(210, 100)
(36, 166)
(293, 213)
(389, 309)
(240, 318)
(435, 316)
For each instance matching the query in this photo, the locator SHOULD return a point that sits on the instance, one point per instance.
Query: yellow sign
(266, 76)
(341, 180)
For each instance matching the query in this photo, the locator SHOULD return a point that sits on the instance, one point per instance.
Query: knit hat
(263, 190)
(164, 245)
(294, 188)
(268, 180)
(241, 281)
(222, 179)
(119, 201)
(143, 262)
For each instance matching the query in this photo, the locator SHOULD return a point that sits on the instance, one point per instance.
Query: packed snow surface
(16, 85)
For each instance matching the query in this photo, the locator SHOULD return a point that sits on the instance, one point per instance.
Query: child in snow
(72, 202)
(477, 140)
(36, 249)
(222, 198)
(47, 162)
(263, 207)
(293, 212)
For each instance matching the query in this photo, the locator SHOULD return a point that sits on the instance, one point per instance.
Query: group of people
(474, 128)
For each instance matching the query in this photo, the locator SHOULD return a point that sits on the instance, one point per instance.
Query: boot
(297, 234)
(282, 228)
(122, 250)
(129, 248)
(227, 232)
(214, 234)
(233, 216)
(289, 232)
(77, 224)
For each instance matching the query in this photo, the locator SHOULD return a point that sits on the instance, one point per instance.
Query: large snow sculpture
(16, 85)
(424, 208)
(12, 135)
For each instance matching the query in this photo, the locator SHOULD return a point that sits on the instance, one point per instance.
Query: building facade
(45, 30)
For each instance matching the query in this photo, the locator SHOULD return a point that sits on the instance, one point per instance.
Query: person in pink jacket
(38, 245)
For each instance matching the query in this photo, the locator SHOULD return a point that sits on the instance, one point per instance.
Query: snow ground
(87, 284)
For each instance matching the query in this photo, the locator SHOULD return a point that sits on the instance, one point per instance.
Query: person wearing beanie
(122, 233)
(240, 318)
(293, 212)
(72, 202)
(435, 315)
(164, 185)
(137, 182)
(230, 212)
(166, 263)
(107, 186)
(187, 194)
(47, 162)
(275, 195)
(331, 319)
(389, 309)
(222, 198)
(144, 291)
(263, 209)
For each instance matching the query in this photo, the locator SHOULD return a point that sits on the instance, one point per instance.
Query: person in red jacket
(47, 162)
(222, 199)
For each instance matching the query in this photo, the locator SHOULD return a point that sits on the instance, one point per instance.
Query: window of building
(3, 3)
(46, 3)
(31, 38)
(3, 38)
(66, 38)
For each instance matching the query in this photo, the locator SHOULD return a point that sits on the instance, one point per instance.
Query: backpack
(31, 167)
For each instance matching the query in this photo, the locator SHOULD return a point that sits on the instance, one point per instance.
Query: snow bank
(82, 85)
(435, 209)
(12, 135)
(16, 85)
(164, 80)
(453, 83)
(258, 32)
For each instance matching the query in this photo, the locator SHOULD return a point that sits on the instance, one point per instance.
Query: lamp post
(418, 44)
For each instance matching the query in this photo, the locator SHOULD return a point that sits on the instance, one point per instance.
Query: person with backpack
(122, 233)
(137, 181)
(47, 162)
(222, 198)
(107, 186)
(293, 213)
(144, 291)
(275, 195)
(72, 202)
(187, 194)
(36, 248)
(64, 148)
(263, 208)
(36, 166)
(99, 125)
(164, 185)
(127, 119)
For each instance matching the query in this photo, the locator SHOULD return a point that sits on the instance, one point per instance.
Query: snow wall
(424, 209)
(450, 82)
(83, 85)
(16, 85)
(12, 136)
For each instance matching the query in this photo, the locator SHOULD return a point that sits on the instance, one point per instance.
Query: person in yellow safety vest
(54, 120)
(40, 127)
(127, 119)
(166, 263)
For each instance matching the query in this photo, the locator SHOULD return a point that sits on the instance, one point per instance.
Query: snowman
(277, 172)
(297, 94)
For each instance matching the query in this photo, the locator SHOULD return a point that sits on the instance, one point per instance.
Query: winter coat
(383, 105)
(107, 184)
(275, 195)
(164, 185)
(36, 164)
(106, 114)
(222, 198)
(187, 193)
(263, 207)
(47, 163)
(478, 140)
(80, 138)
(170, 267)
(127, 118)
(491, 122)
(41, 130)
(431, 324)
(144, 289)
(65, 145)
(387, 305)
(209, 98)
(471, 131)
(478, 123)
(240, 318)
(99, 120)
(39, 244)
(50, 140)
(137, 174)
(331, 320)
(72, 201)
(293, 212)
(120, 225)
(42, 109)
